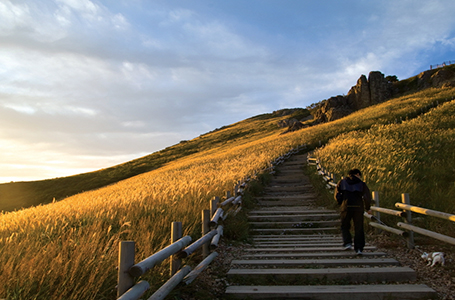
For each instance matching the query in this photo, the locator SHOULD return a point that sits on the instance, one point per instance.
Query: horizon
(88, 85)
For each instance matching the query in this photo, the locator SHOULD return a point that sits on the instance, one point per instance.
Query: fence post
(176, 234)
(205, 230)
(125, 262)
(214, 205)
(408, 220)
(376, 213)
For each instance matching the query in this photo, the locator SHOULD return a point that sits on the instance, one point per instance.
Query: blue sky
(86, 84)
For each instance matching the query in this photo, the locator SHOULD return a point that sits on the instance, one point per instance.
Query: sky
(86, 85)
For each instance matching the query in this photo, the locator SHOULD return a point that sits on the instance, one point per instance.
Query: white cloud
(91, 80)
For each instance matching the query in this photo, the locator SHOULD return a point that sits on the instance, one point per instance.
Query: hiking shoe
(359, 252)
(348, 247)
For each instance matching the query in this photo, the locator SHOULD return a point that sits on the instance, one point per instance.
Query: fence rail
(446, 63)
(181, 247)
(405, 213)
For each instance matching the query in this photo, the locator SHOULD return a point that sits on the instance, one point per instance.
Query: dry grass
(68, 249)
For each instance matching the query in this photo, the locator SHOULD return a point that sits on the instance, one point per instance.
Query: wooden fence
(406, 229)
(446, 63)
(180, 247)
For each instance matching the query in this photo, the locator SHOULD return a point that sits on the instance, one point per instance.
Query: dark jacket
(353, 194)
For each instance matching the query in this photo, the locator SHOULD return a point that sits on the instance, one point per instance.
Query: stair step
(299, 255)
(334, 292)
(351, 275)
(284, 203)
(316, 262)
(293, 217)
(295, 230)
(304, 224)
(305, 249)
(307, 211)
(288, 196)
(303, 237)
(261, 244)
(297, 245)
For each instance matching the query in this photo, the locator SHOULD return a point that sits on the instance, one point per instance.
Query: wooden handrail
(148, 263)
(136, 291)
(166, 288)
(201, 267)
(197, 244)
(406, 213)
(127, 290)
(392, 212)
(426, 211)
(428, 233)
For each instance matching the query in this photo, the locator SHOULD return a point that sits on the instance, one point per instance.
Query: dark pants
(359, 235)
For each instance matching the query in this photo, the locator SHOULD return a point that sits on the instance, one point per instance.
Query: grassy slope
(415, 156)
(18, 195)
(68, 249)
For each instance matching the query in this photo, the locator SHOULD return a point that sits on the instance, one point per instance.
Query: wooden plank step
(290, 212)
(302, 255)
(295, 245)
(288, 188)
(284, 202)
(305, 249)
(317, 262)
(335, 292)
(288, 197)
(303, 237)
(294, 217)
(303, 224)
(294, 230)
(351, 275)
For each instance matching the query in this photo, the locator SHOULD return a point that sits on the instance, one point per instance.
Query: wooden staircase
(298, 254)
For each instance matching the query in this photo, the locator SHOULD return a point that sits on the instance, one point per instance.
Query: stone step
(345, 275)
(303, 255)
(343, 262)
(334, 292)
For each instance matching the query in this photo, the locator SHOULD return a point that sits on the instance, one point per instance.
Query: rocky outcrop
(377, 89)
(332, 109)
(295, 126)
(366, 92)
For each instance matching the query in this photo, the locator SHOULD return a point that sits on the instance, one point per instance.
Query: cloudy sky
(87, 84)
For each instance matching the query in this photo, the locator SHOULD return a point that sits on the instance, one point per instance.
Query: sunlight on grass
(68, 249)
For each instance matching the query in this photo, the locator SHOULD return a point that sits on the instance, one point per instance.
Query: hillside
(16, 195)
(68, 249)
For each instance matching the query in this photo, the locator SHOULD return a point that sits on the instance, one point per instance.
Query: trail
(297, 251)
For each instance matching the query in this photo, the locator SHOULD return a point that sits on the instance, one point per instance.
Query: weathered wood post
(176, 234)
(228, 194)
(375, 196)
(205, 230)
(214, 205)
(125, 262)
(408, 220)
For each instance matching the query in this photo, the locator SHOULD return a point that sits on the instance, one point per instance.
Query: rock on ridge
(366, 92)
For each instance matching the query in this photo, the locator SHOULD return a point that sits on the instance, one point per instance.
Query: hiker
(354, 197)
